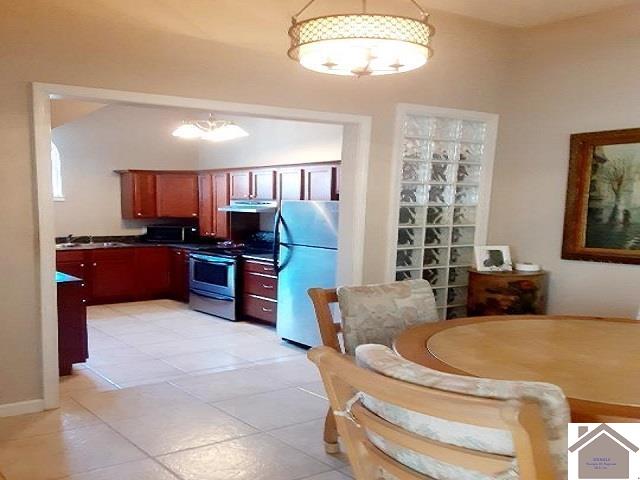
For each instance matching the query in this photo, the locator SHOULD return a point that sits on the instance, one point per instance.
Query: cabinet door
(290, 183)
(263, 186)
(152, 272)
(206, 212)
(138, 194)
(220, 182)
(240, 185)
(320, 182)
(177, 195)
(76, 264)
(72, 326)
(112, 276)
(179, 274)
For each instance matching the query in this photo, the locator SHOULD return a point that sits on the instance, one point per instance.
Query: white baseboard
(20, 408)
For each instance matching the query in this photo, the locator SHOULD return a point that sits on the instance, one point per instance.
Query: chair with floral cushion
(369, 314)
(402, 421)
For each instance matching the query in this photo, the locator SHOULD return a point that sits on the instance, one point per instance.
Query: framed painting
(602, 216)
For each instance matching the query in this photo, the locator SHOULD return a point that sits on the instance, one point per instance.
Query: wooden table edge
(412, 345)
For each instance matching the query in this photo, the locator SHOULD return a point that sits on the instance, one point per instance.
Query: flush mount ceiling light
(211, 130)
(361, 44)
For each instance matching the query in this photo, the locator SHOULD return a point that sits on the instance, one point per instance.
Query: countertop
(95, 246)
(65, 278)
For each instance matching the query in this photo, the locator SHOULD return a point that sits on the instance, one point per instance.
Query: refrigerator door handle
(276, 240)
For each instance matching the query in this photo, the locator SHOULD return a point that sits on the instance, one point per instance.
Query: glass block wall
(442, 159)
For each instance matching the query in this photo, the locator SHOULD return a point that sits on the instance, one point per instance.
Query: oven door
(211, 274)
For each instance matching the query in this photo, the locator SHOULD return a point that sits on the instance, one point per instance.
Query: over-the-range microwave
(171, 234)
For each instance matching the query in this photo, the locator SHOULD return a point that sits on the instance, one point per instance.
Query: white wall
(274, 142)
(575, 76)
(128, 137)
(113, 138)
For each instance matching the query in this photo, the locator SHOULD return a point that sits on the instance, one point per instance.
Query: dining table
(594, 360)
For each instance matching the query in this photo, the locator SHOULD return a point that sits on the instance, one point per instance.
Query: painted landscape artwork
(613, 215)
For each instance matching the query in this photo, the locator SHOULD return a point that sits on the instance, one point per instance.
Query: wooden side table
(506, 293)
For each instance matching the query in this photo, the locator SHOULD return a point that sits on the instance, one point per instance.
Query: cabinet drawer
(70, 255)
(119, 253)
(260, 308)
(259, 267)
(262, 285)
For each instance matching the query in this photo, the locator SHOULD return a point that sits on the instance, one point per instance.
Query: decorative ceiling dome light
(211, 130)
(361, 44)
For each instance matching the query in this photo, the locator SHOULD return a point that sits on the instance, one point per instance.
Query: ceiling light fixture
(211, 130)
(361, 44)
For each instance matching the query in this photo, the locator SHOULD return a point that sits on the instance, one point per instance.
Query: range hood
(250, 206)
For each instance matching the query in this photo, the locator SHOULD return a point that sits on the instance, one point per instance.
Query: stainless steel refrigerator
(306, 255)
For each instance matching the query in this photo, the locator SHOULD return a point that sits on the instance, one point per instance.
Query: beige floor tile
(100, 311)
(139, 470)
(136, 401)
(70, 415)
(179, 347)
(127, 372)
(173, 429)
(271, 410)
(258, 457)
(124, 325)
(192, 362)
(51, 456)
(82, 380)
(152, 381)
(114, 356)
(99, 340)
(146, 338)
(229, 384)
(296, 371)
(263, 350)
(133, 308)
(307, 437)
(314, 387)
(334, 475)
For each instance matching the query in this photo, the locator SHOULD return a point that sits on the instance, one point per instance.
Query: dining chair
(369, 314)
(402, 421)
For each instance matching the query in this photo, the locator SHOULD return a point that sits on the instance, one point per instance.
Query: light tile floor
(172, 394)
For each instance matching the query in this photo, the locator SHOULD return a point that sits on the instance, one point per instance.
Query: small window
(56, 173)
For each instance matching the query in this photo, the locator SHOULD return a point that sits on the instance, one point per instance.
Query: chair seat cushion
(550, 398)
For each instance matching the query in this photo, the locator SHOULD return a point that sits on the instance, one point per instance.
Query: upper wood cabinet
(177, 195)
(214, 193)
(320, 182)
(240, 181)
(263, 184)
(290, 183)
(138, 194)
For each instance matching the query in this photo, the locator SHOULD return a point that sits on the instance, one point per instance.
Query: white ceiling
(524, 13)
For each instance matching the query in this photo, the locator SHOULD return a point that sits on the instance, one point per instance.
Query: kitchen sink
(69, 245)
(106, 244)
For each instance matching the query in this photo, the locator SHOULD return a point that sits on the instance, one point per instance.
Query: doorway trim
(353, 191)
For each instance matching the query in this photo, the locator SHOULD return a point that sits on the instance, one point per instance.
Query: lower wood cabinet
(72, 326)
(114, 275)
(259, 291)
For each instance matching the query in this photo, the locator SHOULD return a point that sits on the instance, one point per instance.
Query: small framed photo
(493, 258)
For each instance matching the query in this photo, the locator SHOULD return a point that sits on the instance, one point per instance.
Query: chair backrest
(372, 313)
(329, 328)
(363, 431)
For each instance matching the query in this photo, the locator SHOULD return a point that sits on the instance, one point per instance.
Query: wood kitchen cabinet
(320, 182)
(113, 275)
(177, 195)
(214, 193)
(240, 181)
(290, 183)
(138, 194)
(259, 291)
(179, 274)
(263, 184)
(72, 325)
(152, 270)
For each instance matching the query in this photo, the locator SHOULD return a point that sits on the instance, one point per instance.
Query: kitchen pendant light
(211, 130)
(360, 44)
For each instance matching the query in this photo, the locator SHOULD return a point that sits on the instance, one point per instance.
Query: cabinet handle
(267, 269)
(84, 300)
(82, 265)
(268, 287)
(194, 214)
(139, 214)
(178, 253)
(95, 264)
(268, 310)
(82, 284)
